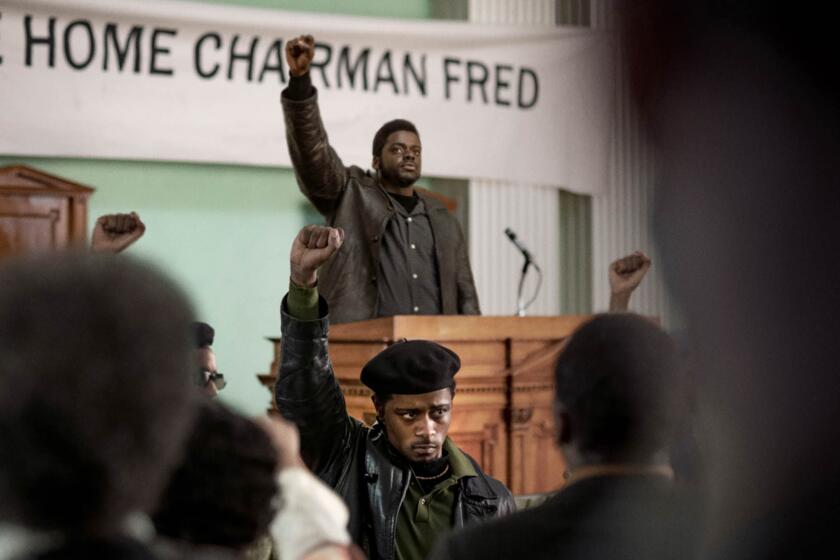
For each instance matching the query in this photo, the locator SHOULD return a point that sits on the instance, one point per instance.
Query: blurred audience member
(626, 274)
(311, 523)
(741, 103)
(95, 402)
(617, 388)
(114, 233)
(223, 500)
(222, 494)
(208, 376)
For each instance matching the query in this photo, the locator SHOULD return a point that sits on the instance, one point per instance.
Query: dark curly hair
(389, 128)
(618, 379)
(95, 393)
(204, 334)
(224, 491)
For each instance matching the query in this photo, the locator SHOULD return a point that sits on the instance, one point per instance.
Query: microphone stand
(521, 305)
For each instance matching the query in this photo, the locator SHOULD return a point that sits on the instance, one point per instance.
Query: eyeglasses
(214, 377)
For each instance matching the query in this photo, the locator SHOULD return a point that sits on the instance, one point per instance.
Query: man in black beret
(403, 479)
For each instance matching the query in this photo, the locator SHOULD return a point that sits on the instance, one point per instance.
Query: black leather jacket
(352, 199)
(351, 457)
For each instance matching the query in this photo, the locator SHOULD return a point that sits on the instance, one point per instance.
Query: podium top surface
(458, 327)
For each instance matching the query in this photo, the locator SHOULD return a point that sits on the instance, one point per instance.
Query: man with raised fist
(404, 253)
(404, 481)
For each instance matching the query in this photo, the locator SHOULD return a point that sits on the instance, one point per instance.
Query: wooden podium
(502, 412)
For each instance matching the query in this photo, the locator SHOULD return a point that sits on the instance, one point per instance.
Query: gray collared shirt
(408, 272)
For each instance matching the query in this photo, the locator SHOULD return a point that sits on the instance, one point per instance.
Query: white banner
(182, 81)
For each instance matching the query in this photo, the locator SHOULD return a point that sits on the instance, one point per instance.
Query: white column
(530, 210)
(622, 217)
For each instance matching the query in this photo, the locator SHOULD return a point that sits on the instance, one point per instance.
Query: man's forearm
(320, 173)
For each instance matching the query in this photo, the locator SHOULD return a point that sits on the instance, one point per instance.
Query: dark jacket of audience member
(95, 355)
(617, 385)
(741, 102)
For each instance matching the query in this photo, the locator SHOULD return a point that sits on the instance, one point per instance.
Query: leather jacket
(353, 458)
(353, 199)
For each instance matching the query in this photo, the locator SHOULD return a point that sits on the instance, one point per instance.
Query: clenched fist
(312, 247)
(299, 54)
(625, 276)
(114, 233)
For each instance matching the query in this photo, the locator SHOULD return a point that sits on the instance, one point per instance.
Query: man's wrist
(304, 279)
(300, 87)
(302, 302)
(620, 301)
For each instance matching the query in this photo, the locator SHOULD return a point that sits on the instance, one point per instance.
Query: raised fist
(299, 54)
(625, 276)
(312, 247)
(114, 233)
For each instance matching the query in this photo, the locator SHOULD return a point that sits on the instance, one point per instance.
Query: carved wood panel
(32, 224)
(39, 211)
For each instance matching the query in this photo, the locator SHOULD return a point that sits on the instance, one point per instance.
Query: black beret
(411, 368)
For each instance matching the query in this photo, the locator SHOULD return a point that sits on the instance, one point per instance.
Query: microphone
(515, 241)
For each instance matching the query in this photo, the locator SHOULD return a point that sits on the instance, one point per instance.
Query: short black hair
(95, 392)
(389, 128)
(204, 334)
(618, 379)
(224, 491)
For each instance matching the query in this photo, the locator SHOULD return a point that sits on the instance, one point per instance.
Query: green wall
(223, 231)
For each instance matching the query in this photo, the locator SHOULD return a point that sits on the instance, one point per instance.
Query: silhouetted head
(95, 389)
(617, 390)
(223, 492)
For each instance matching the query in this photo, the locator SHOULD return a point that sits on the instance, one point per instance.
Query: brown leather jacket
(352, 199)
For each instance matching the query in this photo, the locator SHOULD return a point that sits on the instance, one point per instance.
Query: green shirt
(423, 518)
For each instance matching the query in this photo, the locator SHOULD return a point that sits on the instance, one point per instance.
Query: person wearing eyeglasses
(208, 376)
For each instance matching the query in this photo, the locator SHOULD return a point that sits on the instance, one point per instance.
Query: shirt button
(409, 220)
(414, 276)
(416, 309)
(413, 246)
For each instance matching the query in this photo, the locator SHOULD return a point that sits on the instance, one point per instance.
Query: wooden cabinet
(502, 412)
(39, 211)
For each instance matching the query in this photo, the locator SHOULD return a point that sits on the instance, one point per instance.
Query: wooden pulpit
(502, 412)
